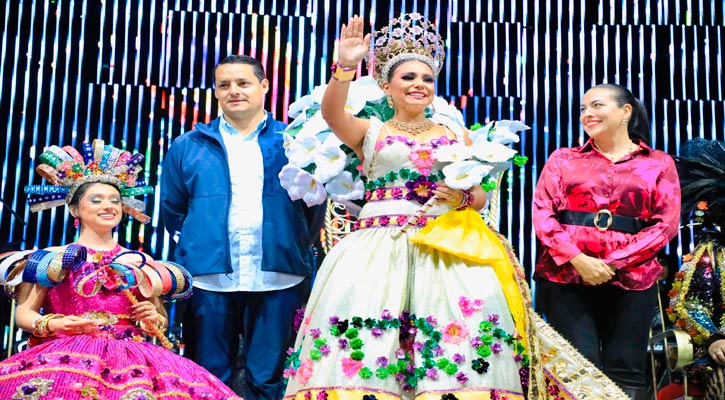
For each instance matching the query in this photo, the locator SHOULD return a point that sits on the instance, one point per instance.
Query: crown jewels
(66, 170)
(409, 37)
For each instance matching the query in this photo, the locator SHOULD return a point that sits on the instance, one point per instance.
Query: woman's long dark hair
(638, 127)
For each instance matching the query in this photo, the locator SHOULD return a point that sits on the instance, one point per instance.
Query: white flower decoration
(313, 126)
(330, 161)
(300, 184)
(446, 114)
(465, 174)
(492, 152)
(505, 131)
(342, 188)
(454, 152)
(287, 177)
(301, 150)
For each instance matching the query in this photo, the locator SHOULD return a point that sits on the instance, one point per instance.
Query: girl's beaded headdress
(66, 170)
(409, 37)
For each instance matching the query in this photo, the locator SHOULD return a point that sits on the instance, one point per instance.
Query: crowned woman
(422, 300)
(90, 305)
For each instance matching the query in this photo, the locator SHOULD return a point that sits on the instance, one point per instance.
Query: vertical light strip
(288, 66)
(494, 61)
(189, 82)
(583, 54)
(101, 30)
(21, 131)
(56, 72)
(276, 59)
(40, 64)
(205, 49)
(695, 66)
(68, 50)
(719, 59)
(167, 21)
(265, 54)
(536, 61)
(506, 60)
(683, 61)
(569, 126)
(706, 54)
(112, 42)
(242, 40)
(555, 125)
(126, 47)
(547, 77)
(654, 47)
(180, 47)
(641, 30)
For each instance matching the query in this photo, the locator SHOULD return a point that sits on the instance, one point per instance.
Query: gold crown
(409, 37)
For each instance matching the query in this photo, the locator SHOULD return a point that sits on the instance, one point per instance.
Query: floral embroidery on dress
(138, 394)
(422, 353)
(423, 158)
(33, 389)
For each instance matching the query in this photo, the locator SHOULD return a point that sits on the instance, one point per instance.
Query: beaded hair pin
(409, 37)
(66, 169)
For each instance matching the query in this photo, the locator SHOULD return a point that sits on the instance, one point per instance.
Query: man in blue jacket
(247, 245)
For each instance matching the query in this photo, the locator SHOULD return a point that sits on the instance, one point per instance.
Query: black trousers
(607, 324)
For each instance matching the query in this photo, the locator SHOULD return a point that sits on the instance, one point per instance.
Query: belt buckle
(610, 218)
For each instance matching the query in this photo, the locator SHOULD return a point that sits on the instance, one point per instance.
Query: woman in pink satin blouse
(602, 211)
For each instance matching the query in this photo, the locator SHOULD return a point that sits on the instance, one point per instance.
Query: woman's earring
(625, 121)
(76, 223)
(390, 102)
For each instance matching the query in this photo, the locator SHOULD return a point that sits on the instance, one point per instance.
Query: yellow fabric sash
(464, 233)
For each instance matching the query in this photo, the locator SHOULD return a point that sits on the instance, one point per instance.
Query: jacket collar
(212, 128)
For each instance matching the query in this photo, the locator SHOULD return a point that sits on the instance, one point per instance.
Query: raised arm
(351, 49)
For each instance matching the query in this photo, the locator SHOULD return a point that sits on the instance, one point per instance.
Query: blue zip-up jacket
(196, 196)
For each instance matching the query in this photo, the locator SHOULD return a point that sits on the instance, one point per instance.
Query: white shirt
(246, 171)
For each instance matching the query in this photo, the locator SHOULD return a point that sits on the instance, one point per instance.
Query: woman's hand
(717, 351)
(353, 45)
(448, 196)
(145, 311)
(72, 325)
(592, 270)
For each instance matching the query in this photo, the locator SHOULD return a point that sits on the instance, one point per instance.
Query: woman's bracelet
(40, 325)
(342, 73)
(466, 200)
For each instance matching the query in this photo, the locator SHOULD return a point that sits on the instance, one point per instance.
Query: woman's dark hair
(638, 127)
(395, 66)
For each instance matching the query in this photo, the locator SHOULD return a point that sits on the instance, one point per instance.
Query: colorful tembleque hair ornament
(66, 170)
(409, 37)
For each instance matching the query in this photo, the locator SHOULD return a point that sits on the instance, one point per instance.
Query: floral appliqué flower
(421, 189)
(350, 367)
(454, 332)
(33, 389)
(423, 158)
(304, 372)
(468, 306)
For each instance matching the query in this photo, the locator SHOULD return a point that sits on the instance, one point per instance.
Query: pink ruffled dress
(114, 363)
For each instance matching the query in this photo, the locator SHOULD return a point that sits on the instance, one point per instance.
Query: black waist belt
(603, 220)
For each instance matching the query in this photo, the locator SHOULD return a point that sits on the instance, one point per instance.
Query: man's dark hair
(242, 59)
